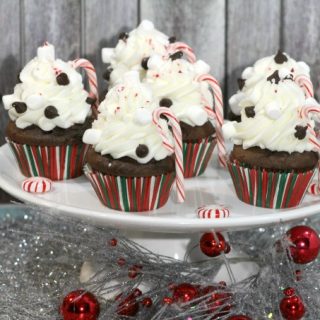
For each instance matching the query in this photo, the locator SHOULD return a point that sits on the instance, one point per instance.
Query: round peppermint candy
(37, 185)
(213, 212)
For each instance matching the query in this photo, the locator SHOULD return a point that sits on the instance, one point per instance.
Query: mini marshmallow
(234, 102)
(35, 101)
(283, 72)
(142, 116)
(131, 77)
(44, 123)
(200, 67)
(247, 72)
(197, 115)
(92, 136)
(311, 102)
(106, 54)
(146, 24)
(154, 61)
(7, 101)
(228, 130)
(273, 110)
(46, 52)
(304, 67)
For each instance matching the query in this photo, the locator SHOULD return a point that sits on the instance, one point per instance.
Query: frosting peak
(51, 92)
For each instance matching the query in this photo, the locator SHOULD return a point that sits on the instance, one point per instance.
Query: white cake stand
(172, 230)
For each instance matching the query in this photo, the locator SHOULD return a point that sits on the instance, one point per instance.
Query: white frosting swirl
(276, 116)
(39, 89)
(264, 68)
(176, 80)
(129, 52)
(125, 122)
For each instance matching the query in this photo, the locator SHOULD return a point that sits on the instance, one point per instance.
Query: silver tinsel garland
(42, 253)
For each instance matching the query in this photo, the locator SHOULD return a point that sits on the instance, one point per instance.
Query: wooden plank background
(228, 34)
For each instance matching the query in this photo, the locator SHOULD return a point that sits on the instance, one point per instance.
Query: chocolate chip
(163, 117)
(176, 55)
(107, 73)
(123, 36)
(241, 83)
(144, 63)
(62, 79)
(172, 39)
(280, 57)
(142, 150)
(90, 100)
(20, 107)
(250, 113)
(51, 112)
(301, 132)
(165, 102)
(274, 77)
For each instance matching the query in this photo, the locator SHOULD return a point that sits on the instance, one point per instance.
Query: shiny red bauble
(184, 292)
(304, 244)
(80, 305)
(128, 306)
(239, 317)
(147, 302)
(212, 248)
(291, 307)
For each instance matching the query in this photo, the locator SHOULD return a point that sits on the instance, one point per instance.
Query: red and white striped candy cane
(304, 82)
(314, 187)
(92, 77)
(176, 148)
(181, 46)
(217, 112)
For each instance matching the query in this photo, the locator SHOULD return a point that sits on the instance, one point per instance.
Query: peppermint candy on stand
(93, 83)
(37, 185)
(176, 148)
(213, 212)
(217, 114)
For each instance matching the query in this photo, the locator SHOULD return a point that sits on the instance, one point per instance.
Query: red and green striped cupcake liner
(53, 162)
(269, 189)
(133, 194)
(196, 156)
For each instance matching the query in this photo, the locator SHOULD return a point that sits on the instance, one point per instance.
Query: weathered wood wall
(228, 34)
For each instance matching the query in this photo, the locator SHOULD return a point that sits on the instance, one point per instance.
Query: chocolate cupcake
(134, 49)
(275, 154)
(131, 164)
(49, 112)
(183, 88)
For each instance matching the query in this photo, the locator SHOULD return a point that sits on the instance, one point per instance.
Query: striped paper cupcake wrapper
(132, 194)
(53, 162)
(196, 156)
(269, 189)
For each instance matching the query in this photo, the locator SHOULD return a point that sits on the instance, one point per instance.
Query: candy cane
(176, 148)
(92, 76)
(304, 112)
(181, 46)
(304, 82)
(218, 114)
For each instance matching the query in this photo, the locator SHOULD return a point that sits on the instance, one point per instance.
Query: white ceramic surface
(77, 198)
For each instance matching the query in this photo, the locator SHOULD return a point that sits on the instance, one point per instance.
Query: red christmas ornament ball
(305, 244)
(239, 317)
(184, 292)
(129, 306)
(80, 305)
(147, 302)
(292, 308)
(210, 247)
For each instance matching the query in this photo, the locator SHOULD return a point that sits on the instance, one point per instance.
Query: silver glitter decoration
(42, 253)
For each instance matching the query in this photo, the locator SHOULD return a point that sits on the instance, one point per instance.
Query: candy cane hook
(218, 114)
(304, 82)
(187, 50)
(92, 77)
(176, 148)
